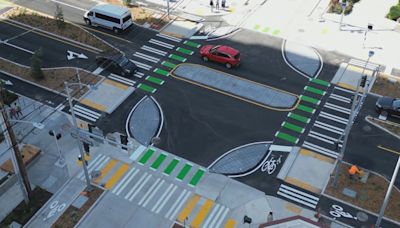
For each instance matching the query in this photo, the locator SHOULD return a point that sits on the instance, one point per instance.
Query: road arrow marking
(73, 55)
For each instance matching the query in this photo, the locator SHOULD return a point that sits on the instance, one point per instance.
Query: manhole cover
(367, 128)
(361, 216)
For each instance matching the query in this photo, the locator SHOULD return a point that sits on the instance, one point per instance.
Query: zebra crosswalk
(122, 79)
(298, 196)
(86, 113)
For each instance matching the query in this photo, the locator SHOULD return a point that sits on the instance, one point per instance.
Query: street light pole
(389, 191)
(344, 5)
(78, 137)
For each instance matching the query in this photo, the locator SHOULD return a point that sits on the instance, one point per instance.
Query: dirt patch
(22, 213)
(390, 126)
(49, 24)
(369, 195)
(72, 215)
(386, 86)
(146, 17)
(53, 78)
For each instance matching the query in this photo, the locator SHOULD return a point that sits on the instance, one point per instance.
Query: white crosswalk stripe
(340, 98)
(146, 57)
(212, 215)
(164, 198)
(138, 74)
(141, 65)
(298, 196)
(221, 218)
(223, 210)
(97, 166)
(177, 205)
(320, 149)
(161, 43)
(175, 39)
(154, 50)
(337, 108)
(98, 70)
(140, 187)
(150, 193)
(323, 138)
(93, 163)
(333, 117)
(125, 181)
(86, 113)
(344, 90)
(362, 64)
(328, 127)
(121, 79)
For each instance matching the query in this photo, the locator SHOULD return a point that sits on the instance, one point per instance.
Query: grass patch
(53, 78)
(394, 12)
(49, 24)
(386, 86)
(369, 195)
(22, 213)
(72, 215)
(390, 126)
(336, 7)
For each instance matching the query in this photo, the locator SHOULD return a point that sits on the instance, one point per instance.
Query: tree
(36, 65)
(59, 16)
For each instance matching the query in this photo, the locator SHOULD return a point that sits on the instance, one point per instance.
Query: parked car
(226, 55)
(118, 64)
(388, 106)
(116, 18)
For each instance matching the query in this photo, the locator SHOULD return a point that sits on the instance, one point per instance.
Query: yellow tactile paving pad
(302, 184)
(94, 105)
(320, 157)
(116, 84)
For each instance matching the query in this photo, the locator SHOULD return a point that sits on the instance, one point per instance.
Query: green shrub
(36, 65)
(394, 12)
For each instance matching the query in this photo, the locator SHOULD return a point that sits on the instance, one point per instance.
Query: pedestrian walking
(212, 5)
(217, 5)
(18, 110)
(270, 217)
(223, 2)
(13, 113)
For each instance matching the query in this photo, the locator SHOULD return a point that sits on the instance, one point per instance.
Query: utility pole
(18, 165)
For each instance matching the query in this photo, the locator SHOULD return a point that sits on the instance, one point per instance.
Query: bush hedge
(394, 12)
(335, 6)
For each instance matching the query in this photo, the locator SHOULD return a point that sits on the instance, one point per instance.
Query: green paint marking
(185, 51)
(314, 90)
(177, 58)
(293, 127)
(168, 64)
(256, 27)
(162, 72)
(306, 109)
(160, 159)
(309, 99)
(320, 82)
(171, 166)
(276, 32)
(266, 29)
(154, 80)
(192, 44)
(287, 137)
(147, 88)
(196, 177)
(146, 156)
(299, 118)
(184, 171)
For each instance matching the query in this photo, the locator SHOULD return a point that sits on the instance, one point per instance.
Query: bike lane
(350, 215)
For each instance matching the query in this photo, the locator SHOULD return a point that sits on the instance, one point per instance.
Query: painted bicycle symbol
(55, 207)
(271, 164)
(337, 212)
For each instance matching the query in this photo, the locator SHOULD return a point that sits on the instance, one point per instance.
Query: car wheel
(228, 65)
(115, 30)
(88, 22)
(205, 58)
(384, 113)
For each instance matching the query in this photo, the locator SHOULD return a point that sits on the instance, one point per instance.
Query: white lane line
(334, 118)
(92, 163)
(161, 198)
(217, 216)
(153, 192)
(154, 50)
(320, 149)
(161, 44)
(328, 127)
(179, 206)
(141, 65)
(140, 187)
(98, 70)
(340, 98)
(146, 57)
(19, 35)
(19, 48)
(136, 185)
(166, 199)
(337, 108)
(324, 138)
(123, 180)
(175, 39)
(127, 182)
(344, 90)
(212, 215)
(72, 6)
(222, 218)
(180, 197)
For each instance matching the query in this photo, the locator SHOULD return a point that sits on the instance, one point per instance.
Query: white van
(113, 17)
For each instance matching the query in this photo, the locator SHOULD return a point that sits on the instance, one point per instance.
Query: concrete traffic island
(144, 121)
(230, 85)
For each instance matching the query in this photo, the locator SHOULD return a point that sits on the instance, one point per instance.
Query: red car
(221, 54)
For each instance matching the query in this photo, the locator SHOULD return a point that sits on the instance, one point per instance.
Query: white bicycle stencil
(270, 165)
(337, 212)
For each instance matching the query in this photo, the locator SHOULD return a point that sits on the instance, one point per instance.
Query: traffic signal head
(363, 81)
